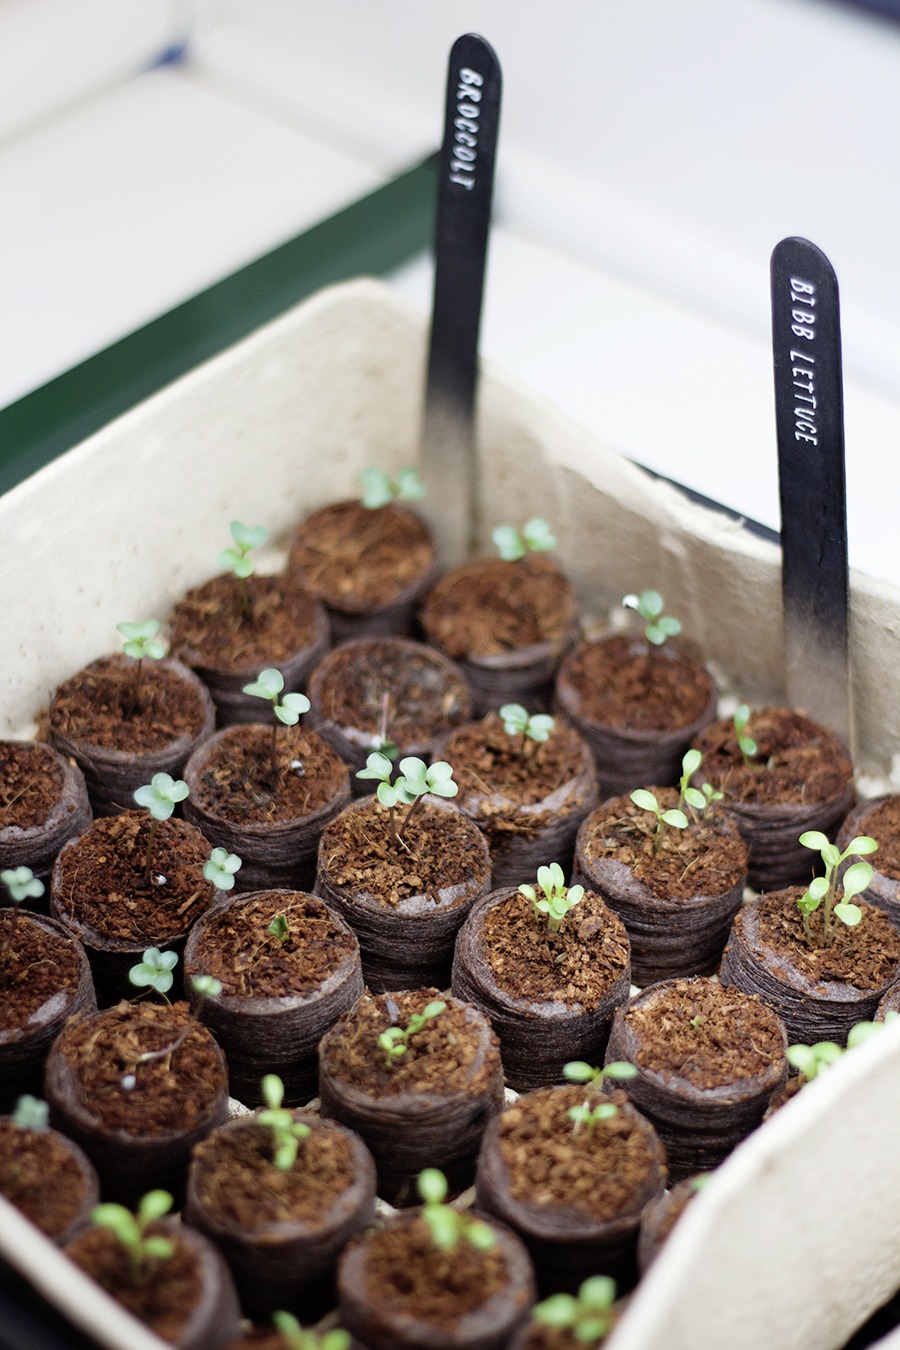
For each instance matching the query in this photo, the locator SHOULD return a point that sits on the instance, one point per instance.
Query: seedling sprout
(154, 971)
(160, 796)
(287, 710)
(535, 536)
(141, 642)
(381, 489)
(855, 880)
(31, 1113)
(647, 802)
(746, 744)
(578, 1071)
(447, 1225)
(286, 1131)
(701, 799)
(296, 1338)
(221, 868)
(21, 884)
(557, 899)
(415, 782)
(812, 1060)
(658, 627)
(238, 561)
(145, 1250)
(534, 730)
(395, 1041)
(588, 1316)
(280, 930)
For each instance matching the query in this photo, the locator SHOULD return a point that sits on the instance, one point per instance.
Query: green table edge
(370, 237)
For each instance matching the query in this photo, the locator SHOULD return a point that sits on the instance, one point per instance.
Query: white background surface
(652, 154)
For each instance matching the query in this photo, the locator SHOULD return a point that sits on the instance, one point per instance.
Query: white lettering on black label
(803, 363)
(465, 138)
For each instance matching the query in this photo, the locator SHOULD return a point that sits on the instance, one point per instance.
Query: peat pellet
(880, 819)
(44, 804)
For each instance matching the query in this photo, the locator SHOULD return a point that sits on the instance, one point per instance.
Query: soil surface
(167, 1291)
(537, 1336)
(439, 1059)
(597, 1172)
(883, 824)
(440, 849)
(699, 1032)
(796, 760)
(707, 858)
(575, 966)
(37, 1176)
(865, 956)
(239, 783)
(172, 1093)
(357, 560)
(402, 686)
(251, 962)
(31, 782)
(498, 773)
(103, 884)
(214, 625)
(490, 606)
(98, 706)
(35, 965)
(407, 1273)
(624, 682)
(238, 1183)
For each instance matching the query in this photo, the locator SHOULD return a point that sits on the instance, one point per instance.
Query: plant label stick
(809, 414)
(461, 233)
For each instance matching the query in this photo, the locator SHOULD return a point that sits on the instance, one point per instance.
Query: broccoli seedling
(145, 1250)
(674, 817)
(587, 1316)
(21, 884)
(812, 1060)
(280, 930)
(855, 880)
(286, 1131)
(415, 782)
(699, 799)
(31, 1113)
(238, 561)
(160, 796)
(154, 971)
(446, 1225)
(140, 643)
(296, 1338)
(535, 536)
(557, 899)
(395, 1041)
(658, 627)
(381, 489)
(534, 730)
(578, 1071)
(287, 710)
(221, 868)
(746, 744)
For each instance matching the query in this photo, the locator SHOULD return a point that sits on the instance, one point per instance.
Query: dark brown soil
(866, 956)
(166, 1295)
(699, 1032)
(796, 760)
(439, 849)
(170, 1094)
(236, 1180)
(251, 962)
(38, 1177)
(882, 822)
(707, 858)
(97, 706)
(576, 965)
(238, 782)
(406, 1273)
(210, 626)
(357, 560)
(100, 880)
(537, 1336)
(31, 781)
(36, 964)
(596, 1172)
(624, 682)
(498, 774)
(438, 1059)
(490, 606)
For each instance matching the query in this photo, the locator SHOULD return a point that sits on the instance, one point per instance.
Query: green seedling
(415, 781)
(698, 800)
(141, 643)
(221, 868)
(812, 1060)
(746, 744)
(556, 899)
(145, 1250)
(535, 536)
(160, 796)
(578, 1071)
(154, 971)
(21, 885)
(445, 1224)
(287, 710)
(395, 1041)
(286, 1131)
(31, 1113)
(280, 930)
(237, 560)
(658, 627)
(534, 730)
(855, 880)
(296, 1338)
(673, 816)
(588, 1316)
(380, 488)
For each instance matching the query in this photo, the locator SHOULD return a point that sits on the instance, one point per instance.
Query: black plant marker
(809, 413)
(461, 234)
